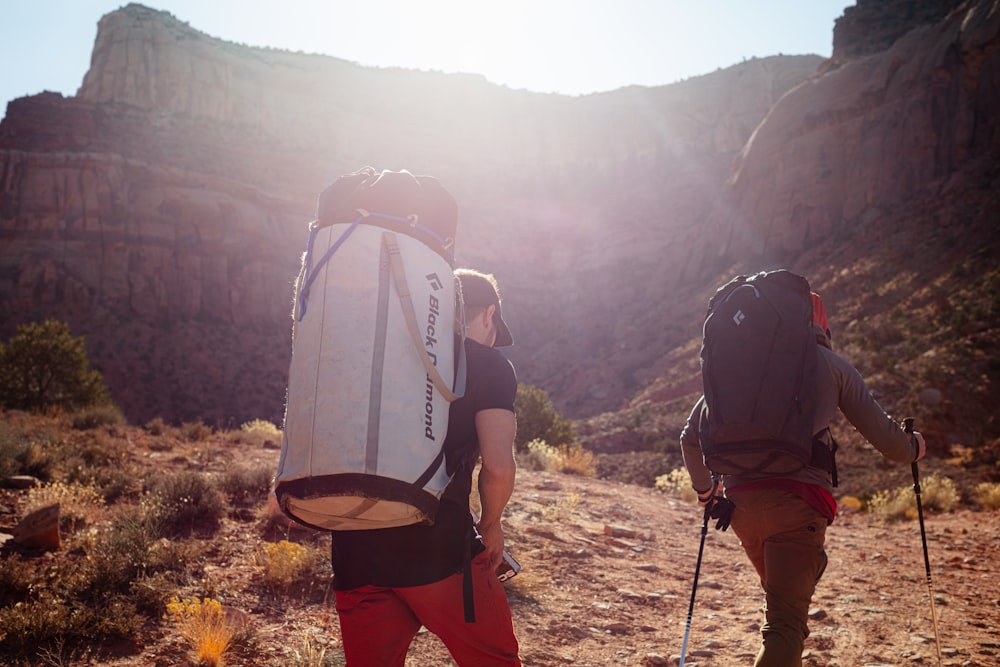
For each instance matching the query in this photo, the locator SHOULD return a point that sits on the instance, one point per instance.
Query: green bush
(246, 486)
(184, 503)
(22, 454)
(537, 419)
(197, 431)
(43, 366)
(95, 416)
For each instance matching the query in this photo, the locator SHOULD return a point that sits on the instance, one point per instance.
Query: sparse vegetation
(290, 567)
(537, 419)
(260, 432)
(79, 504)
(937, 494)
(43, 367)
(562, 509)
(570, 459)
(677, 483)
(204, 624)
(245, 486)
(988, 494)
(134, 540)
(185, 503)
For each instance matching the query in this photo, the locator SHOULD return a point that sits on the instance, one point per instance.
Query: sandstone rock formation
(841, 149)
(162, 210)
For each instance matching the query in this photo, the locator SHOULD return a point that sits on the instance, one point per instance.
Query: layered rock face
(162, 211)
(840, 150)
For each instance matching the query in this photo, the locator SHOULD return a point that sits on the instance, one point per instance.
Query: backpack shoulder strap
(403, 291)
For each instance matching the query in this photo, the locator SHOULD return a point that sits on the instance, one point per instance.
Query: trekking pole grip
(908, 428)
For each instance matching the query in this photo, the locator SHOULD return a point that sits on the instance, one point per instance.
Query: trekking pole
(908, 427)
(694, 588)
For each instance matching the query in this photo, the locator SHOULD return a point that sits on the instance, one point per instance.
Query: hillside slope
(607, 579)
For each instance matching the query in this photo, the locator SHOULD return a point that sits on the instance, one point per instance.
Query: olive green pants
(783, 536)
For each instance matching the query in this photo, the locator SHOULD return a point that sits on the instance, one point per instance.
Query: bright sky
(566, 46)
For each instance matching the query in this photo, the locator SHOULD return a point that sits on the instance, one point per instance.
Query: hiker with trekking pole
(758, 447)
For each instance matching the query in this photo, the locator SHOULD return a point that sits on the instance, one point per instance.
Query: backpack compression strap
(403, 290)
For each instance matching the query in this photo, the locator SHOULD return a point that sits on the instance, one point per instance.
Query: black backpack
(759, 361)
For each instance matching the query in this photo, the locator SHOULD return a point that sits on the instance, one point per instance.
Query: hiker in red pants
(391, 581)
(781, 519)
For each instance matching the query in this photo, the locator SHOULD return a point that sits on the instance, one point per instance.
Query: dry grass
(937, 494)
(988, 494)
(204, 624)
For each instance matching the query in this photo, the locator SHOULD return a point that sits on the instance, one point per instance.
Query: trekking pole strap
(403, 291)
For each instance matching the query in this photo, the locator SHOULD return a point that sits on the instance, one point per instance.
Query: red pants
(377, 624)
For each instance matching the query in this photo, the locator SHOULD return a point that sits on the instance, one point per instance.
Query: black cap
(480, 289)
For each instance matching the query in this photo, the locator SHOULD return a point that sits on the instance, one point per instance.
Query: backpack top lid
(417, 205)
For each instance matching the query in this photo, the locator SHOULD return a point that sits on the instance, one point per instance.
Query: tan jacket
(841, 387)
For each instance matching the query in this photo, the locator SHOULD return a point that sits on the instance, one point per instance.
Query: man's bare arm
(496, 429)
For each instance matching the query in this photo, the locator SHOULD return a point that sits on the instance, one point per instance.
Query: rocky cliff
(162, 210)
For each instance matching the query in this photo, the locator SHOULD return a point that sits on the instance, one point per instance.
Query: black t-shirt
(421, 554)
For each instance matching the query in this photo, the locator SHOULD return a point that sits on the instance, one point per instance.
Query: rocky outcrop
(872, 26)
(162, 210)
(841, 149)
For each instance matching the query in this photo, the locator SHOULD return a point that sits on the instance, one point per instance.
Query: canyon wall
(163, 209)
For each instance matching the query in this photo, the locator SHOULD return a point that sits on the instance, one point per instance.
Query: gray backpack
(377, 356)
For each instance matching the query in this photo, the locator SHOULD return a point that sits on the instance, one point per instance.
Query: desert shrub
(97, 415)
(66, 609)
(156, 426)
(47, 627)
(79, 505)
(562, 509)
(23, 454)
(289, 566)
(260, 432)
(196, 431)
(574, 460)
(124, 551)
(850, 504)
(677, 483)
(15, 580)
(43, 366)
(97, 449)
(246, 486)
(536, 455)
(537, 419)
(937, 494)
(989, 495)
(115, 482)
(205, 625)
(184, 502)
(570, 459)
(314, 654)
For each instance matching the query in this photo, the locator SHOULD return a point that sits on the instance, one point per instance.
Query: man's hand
(721, 509)
(704, 497)
(492, 536)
